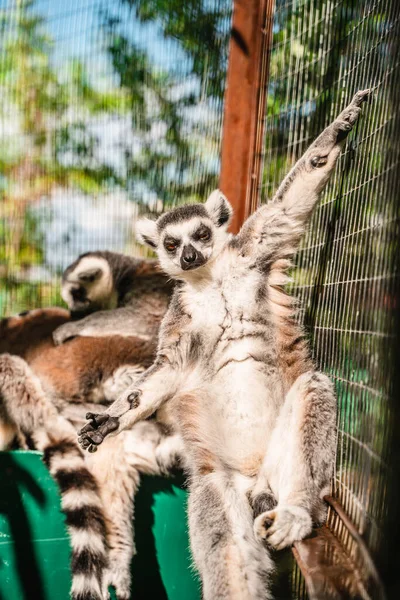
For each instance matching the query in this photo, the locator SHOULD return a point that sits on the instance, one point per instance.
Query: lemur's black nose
(78, 294)
(189, 254)
(191, 258)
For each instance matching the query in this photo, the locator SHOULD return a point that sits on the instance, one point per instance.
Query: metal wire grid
(323, 52)
(104, 113)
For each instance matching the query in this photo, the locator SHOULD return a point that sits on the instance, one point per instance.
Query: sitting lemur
(234, 374)
(46, 391)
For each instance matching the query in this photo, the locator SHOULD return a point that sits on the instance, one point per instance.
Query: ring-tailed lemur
(44, 398)
(258, 422)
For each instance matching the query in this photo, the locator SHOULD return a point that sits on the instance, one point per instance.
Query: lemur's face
(188, 238)
(187, 245)
(87, 285)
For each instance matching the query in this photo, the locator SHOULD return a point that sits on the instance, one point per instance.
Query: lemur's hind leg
(299, 461)
(232, 563)
(26, 406)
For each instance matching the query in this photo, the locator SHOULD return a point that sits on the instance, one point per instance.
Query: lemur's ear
(218, 208)
(146, 232)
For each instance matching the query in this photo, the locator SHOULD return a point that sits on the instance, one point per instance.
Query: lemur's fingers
(101, 425)
(351, 113)
(327, 145)
(91, 435)
(361, 96)
(96, 418)
(349, 116)
(300, 189)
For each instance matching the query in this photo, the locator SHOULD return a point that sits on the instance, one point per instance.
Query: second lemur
(46, 391)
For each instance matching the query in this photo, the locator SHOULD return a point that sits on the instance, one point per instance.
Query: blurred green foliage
(171, 142)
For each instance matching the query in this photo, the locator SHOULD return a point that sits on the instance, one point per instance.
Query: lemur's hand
(99, 426)
(103, 424)
(334, 135)
(66, 332)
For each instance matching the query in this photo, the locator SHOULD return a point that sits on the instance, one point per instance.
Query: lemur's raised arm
(275, 229)
(191, 239)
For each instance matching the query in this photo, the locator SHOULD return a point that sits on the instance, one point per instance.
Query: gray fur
(254, 416)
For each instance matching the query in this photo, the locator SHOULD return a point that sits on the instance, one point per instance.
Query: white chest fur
(228, 295)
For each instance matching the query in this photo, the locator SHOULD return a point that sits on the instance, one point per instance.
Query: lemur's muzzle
(78, 294)
(191, 258)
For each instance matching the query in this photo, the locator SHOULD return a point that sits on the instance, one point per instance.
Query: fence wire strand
(323, 52)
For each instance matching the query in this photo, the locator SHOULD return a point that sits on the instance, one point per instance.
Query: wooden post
(244, 112)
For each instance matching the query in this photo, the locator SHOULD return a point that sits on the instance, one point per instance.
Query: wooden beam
(332, 571)
(244, 111)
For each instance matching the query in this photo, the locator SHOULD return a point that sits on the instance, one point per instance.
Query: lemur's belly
(243, 407)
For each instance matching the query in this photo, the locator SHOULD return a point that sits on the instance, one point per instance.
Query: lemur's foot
(94, 433)
(282, 526)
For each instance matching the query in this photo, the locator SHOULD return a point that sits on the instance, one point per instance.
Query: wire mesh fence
(107, 108)
(323, 52)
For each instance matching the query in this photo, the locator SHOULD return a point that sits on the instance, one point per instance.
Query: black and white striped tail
(25, 403)
(81, 504)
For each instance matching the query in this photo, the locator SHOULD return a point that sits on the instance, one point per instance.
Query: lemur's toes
(283, 526)
(263, 523)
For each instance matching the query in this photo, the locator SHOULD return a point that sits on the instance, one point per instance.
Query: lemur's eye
(203, 234)
(171, 245)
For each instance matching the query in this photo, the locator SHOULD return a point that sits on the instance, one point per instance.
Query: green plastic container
(34, 544)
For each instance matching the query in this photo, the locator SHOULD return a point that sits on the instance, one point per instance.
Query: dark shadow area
(146, 577)
(281, 581)
(388, 559)
(14, 479)
(238, 38)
